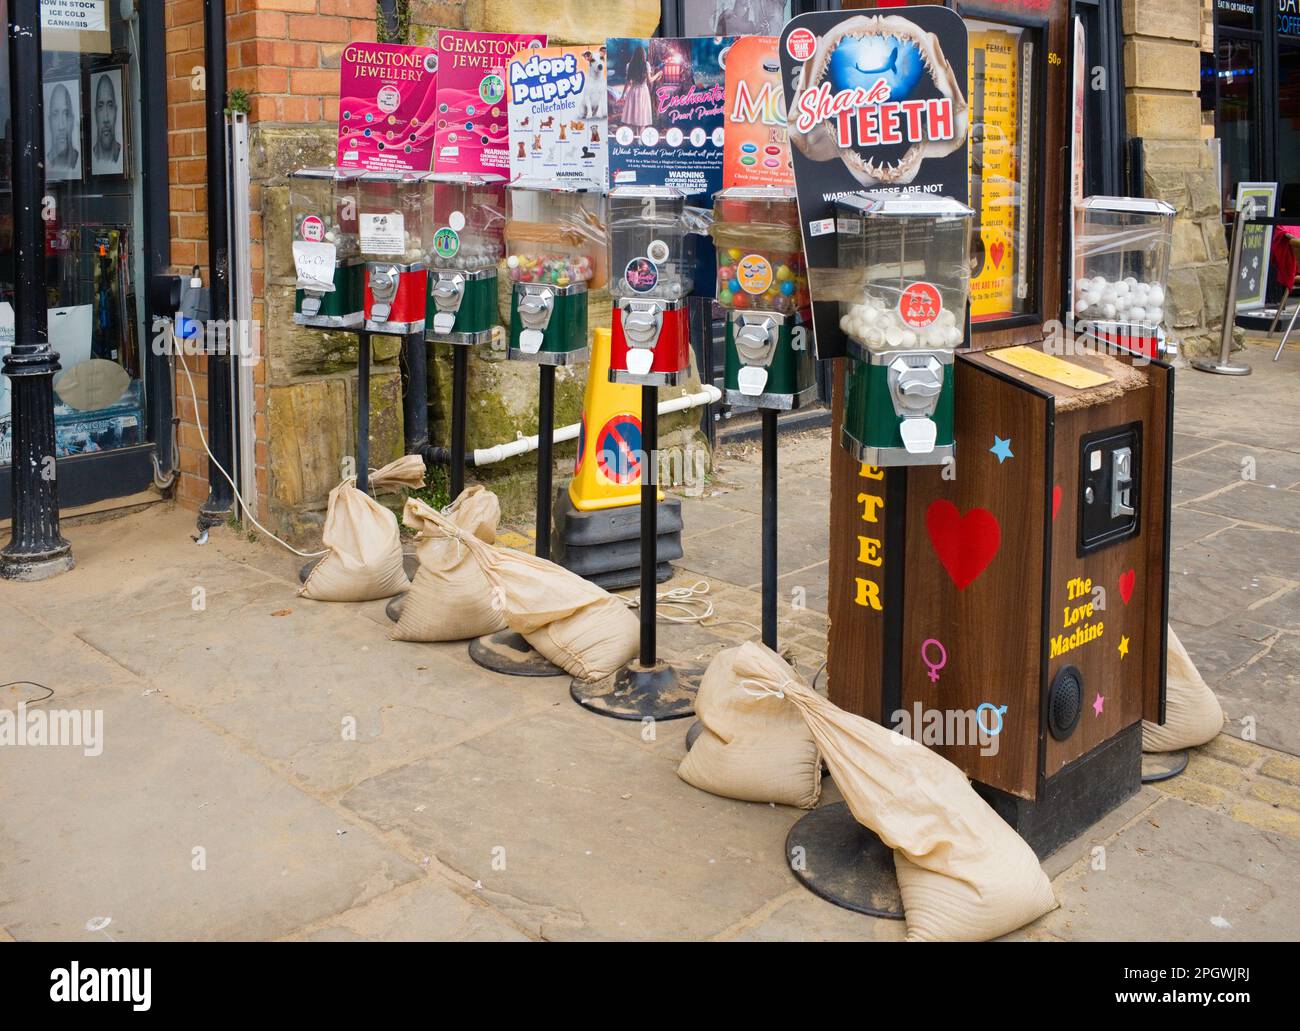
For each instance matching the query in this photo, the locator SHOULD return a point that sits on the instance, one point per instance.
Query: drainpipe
(221, 497)
(37, 550)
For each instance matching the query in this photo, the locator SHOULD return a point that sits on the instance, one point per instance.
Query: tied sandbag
(964, 875)
(450, 598)
(1193, 715)
(755, 745)
(580, 627)
(365, 546)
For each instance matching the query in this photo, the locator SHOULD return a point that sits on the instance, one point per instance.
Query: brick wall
(285, 54)
(1162, 67)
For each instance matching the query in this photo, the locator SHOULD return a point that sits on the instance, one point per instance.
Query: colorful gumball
(724, 297)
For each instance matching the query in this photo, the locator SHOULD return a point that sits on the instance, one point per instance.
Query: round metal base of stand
(1158, 766)
(692, 735)
(393, 610)
(839, 860)
(507, 652)
(1222, 368)
(636, 692)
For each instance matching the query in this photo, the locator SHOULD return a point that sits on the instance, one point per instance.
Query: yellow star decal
(1123, 646)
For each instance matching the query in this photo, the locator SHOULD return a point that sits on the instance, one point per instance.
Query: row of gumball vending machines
(403, 254)
(408, 253)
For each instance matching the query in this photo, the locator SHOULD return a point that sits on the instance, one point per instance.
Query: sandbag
(1193, 715)
(450, 598)
(365, 546)
(964, 875)
(580, 627)
(755, 745)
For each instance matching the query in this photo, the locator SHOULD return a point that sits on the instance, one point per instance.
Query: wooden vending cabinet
(994, 583)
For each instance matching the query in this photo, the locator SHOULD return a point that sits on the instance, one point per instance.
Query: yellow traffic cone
(608, 470)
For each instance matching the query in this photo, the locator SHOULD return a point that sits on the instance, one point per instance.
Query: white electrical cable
(686, 600)
(198, 424)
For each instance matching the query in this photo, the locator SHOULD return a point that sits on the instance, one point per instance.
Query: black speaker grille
(1064, 702)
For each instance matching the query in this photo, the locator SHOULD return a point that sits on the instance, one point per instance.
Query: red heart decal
(1056, 500)
(996, 252)
(1127, 581)
(966, 543)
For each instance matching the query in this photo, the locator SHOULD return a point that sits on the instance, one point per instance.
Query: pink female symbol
(933, 665)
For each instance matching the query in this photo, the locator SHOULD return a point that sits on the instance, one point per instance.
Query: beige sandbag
(578, 626)
(964, 875)
(755, 745)
(450, 598)
(1193, 715)
(365, 546)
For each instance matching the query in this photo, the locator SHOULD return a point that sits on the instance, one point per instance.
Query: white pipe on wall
(500, 452)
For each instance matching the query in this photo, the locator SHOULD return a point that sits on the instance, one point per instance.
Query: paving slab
(1254, 503)
(593, 835)
(1182, 873)
(1265, 692)
(316, 689)
(422, 911)
(1264, 466)
(114, 836)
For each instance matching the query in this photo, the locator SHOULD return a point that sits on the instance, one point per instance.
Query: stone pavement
(277, 768)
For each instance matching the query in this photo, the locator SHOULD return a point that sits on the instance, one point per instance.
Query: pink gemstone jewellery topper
(934, 665)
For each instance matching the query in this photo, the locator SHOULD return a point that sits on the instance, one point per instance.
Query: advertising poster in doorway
(1252, 266)
(473, 131)
(386, 107)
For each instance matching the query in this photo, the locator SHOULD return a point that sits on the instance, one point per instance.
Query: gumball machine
(323, 205)
(651, 281)
(1121, 270)
(555, 251)
(390, 220)
(466, 217)
(763, 284)
(903, 309)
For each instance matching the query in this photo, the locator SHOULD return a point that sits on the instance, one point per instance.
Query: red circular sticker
(801, 44)
(920, 305)
(313, 229)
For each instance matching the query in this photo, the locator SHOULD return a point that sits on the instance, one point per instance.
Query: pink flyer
(386, 107)
(473, 124)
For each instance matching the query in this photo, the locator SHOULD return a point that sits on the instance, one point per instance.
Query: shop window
(1237, 84)
(1003, 169)
(93, 202)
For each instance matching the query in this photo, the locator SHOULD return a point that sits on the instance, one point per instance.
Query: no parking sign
(618, 449)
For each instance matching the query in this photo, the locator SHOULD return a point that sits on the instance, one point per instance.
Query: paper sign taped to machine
(78, 15)
(383, 233)
(1058, 370)
(315, 263)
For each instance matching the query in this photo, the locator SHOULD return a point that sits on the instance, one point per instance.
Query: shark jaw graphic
(869, 58)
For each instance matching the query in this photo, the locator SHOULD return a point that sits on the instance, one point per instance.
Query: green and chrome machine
(555, 250)
(331, 280)
(903, 286)
(467, 214)
(763, 284)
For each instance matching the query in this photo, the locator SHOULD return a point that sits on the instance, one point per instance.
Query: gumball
(740, 300)
(734, 254)
(724, 297)
(787, 287)
(783, 273)
(726, 272)
(733, 285)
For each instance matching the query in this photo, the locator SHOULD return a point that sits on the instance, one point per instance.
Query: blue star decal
(1001, 448)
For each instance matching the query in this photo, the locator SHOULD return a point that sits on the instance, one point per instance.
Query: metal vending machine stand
(323, 205)
(391, 228)
(763, 285)
(466, 216)
(903, 284)
(555, 249)
(1121, 271)
(650, 348)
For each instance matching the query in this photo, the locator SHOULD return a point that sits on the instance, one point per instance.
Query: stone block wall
(1162, 62)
